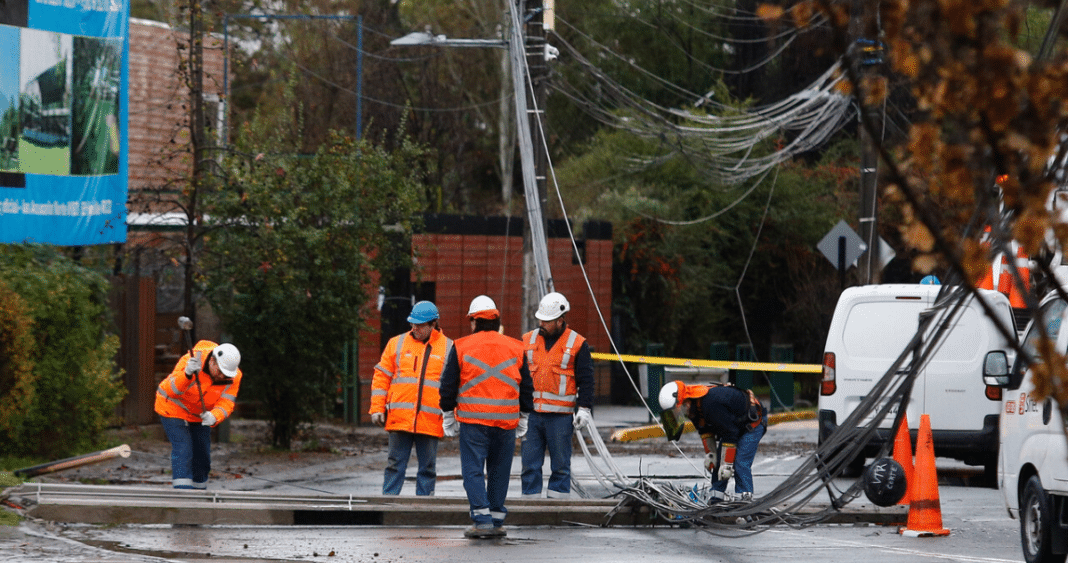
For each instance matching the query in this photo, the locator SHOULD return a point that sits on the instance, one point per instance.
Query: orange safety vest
(553, 370)
(407, 383)
(179, 397)
(489, 379)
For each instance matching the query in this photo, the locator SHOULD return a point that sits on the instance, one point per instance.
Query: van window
(960, 343)
(1051, 313)
(880, 330)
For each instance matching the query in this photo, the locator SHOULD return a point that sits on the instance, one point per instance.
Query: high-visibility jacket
(553, 370)
(489, 379)
(178, 396)
(407, 383)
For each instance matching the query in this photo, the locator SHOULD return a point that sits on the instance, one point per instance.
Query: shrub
(76, 383)
(16, 369)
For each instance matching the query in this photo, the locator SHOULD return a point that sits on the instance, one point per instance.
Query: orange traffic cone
(1016, 299)
(1005, 277)
(903, 454)
(925, 511)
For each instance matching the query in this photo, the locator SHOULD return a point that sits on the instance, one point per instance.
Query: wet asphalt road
(981, 531)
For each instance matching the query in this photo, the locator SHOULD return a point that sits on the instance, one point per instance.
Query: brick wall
(462, 266)
(159, 101)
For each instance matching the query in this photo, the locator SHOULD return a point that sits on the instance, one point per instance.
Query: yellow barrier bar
(655, 431)
(755, 366)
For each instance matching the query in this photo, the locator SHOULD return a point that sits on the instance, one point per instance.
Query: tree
(985, 147)
(292, 262)
(699, 262)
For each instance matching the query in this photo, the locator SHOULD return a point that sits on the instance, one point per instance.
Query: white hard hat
(552, 306)
(228, 358)
(676, 392)
(669, 395)
(481, 303)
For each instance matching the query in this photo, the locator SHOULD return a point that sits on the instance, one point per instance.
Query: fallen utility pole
(76, 461)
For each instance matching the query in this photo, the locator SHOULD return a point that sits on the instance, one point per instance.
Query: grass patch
(8, 518)
(11, 463)
(8, 479)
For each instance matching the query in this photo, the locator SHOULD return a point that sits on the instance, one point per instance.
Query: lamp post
(538, 248)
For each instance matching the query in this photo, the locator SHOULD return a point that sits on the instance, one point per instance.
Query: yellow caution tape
(655, 431)
(755, 366)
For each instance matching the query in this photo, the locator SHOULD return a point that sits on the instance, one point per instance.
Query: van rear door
(876, 331)
(952, 395)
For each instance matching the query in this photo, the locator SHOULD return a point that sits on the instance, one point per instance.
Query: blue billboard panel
(63, 117)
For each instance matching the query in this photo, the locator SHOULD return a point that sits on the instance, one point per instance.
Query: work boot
(483, 531)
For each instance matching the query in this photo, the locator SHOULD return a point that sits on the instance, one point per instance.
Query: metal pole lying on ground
(76, 461)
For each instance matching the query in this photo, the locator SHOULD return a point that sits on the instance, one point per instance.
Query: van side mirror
(996, 369)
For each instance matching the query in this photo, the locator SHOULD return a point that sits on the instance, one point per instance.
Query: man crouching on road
(723, 414)
(487, 395)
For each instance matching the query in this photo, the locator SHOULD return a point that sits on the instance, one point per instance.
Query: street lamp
(539, 245)
(425, 38)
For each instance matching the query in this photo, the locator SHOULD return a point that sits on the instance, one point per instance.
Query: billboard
(63, 116)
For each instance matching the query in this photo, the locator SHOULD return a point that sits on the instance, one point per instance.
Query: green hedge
(59, 383)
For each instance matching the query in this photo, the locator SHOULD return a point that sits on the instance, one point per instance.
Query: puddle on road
(119, 547)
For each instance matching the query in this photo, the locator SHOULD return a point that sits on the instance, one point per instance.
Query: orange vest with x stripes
(489, 379)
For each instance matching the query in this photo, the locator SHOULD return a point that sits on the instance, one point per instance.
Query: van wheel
(1036, 524)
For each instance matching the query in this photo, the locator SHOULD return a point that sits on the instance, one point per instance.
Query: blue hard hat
(423, 312)
(930, 280)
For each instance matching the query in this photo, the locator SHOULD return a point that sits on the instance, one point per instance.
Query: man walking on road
(197, 395)
(487, 395)
(404, 399)
(562, 369)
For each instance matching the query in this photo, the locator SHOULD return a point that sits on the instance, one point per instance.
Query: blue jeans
(400, 449)
(550, 431)
(486, 462)
(190, 452)
(743, 460)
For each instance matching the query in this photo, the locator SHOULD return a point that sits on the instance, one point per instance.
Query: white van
(873, 324)
(1033, 470)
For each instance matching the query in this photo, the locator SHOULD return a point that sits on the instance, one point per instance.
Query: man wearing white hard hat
(562, 369)
(197, 395)
(486, 395)
(731, 422)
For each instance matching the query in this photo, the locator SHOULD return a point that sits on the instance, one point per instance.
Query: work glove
(449, 424)
(582, 418)
(378, 418)
(524, 420)
(207, 418)
(710, 462)
(192, 367)
(726, 471)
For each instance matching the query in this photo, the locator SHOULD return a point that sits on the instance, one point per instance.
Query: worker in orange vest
(404, 398)
(562, 369)
(196, 396)
(487, 395)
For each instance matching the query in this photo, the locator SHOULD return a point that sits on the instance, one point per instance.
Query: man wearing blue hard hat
(405, 398)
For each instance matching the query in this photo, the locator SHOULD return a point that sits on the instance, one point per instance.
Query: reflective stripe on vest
(496, 372)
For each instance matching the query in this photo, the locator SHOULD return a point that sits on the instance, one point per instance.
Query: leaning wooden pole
(76, 461)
